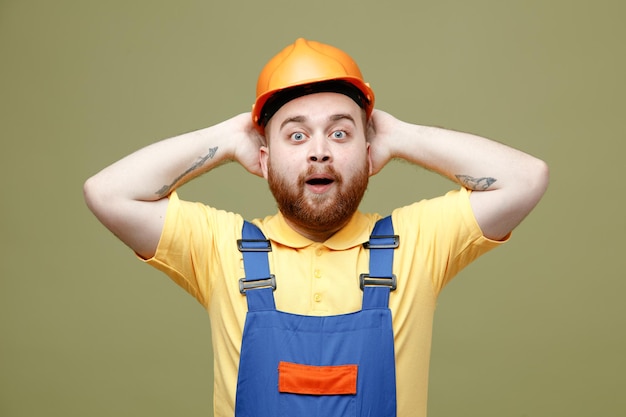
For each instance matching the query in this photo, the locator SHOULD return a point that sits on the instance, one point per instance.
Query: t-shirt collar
(352, 234)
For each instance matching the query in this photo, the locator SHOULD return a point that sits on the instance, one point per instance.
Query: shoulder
(198, 223)
(453, 207)
(446, 221)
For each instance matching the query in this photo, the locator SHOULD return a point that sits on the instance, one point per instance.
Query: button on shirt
(319, 272)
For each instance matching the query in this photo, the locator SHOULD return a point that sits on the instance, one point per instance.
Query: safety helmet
(307, 67)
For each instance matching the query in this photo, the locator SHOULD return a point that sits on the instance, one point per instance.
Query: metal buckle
(370, 245)
(367, 281)
(256, 248)
(269, 282)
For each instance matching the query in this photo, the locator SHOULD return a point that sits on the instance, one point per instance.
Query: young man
(333, 317)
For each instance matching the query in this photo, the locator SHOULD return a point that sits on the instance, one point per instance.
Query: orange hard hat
(307, 67)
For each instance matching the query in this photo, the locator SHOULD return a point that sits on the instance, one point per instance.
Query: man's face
(317, 161)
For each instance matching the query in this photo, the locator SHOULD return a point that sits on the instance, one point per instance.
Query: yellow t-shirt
(438, 237)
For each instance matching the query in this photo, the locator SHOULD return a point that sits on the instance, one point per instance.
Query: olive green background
(535, 328)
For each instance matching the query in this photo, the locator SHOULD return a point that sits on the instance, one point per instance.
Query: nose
(319, 151)
(322, 159)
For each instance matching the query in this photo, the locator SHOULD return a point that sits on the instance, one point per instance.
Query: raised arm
(130, 196)
(507, 183)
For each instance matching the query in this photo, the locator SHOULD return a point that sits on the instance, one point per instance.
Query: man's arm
(507, 183)
(130, 196)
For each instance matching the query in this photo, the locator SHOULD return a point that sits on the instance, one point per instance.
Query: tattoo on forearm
(476, 184)
(166, 189)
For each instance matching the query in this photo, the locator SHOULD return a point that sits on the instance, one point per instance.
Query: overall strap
(380, 281)
(258, 284)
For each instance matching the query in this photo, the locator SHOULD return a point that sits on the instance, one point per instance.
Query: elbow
(538, 177)
(89, 191)
(542, 173)
(94, 193)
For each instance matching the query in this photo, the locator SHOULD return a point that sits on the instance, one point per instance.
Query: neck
(314, 234)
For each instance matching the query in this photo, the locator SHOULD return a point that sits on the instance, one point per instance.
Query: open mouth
(319, 181)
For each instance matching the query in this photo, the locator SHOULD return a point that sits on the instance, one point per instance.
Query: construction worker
(319, 309)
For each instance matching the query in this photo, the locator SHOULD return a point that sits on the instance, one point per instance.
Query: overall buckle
(388, 245)
(245, 285)
(365, 280)
(254, 245)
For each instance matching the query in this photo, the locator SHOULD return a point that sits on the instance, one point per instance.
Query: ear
(370, 165)
(370, 168)
(370, 129)
(264, 154)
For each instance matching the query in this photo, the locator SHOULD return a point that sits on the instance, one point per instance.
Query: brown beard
(318, 213)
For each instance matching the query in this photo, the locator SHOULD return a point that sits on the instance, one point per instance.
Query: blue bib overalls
(296, 366)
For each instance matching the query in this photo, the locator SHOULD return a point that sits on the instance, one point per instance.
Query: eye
(298, 136)
(339, 134)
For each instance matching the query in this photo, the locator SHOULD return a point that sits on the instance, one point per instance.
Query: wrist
(403, 140)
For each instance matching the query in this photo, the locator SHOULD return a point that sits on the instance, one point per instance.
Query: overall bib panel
(294, 365)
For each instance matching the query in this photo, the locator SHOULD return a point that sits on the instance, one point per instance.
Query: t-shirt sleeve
(189, 248)
(442, 235)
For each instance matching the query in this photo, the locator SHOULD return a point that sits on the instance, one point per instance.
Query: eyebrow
(333, 118)
(295, 119)
(342, 116)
